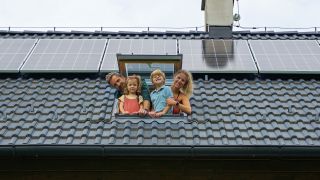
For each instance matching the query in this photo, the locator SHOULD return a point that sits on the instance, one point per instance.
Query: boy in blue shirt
(159, 95)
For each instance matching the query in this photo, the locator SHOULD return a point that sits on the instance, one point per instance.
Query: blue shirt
(159, 97)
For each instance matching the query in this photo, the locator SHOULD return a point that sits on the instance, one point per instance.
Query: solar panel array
(137, 47)
(66, 55)
(286, 56)
(199, 56)
(219, 56)
(13, 53)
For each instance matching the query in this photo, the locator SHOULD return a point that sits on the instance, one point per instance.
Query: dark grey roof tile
(3, 130)
(226, 112)
(69, 139)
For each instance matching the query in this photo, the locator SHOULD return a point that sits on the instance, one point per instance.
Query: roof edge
(160, 151)
(143, 34)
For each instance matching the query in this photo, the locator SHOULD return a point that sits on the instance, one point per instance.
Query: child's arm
(121, 106)
(152, 113)
(141, 103)
(142, 111)
(121, 109)
(163, 112)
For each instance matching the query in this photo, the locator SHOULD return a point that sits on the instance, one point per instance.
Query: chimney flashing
(220, 32)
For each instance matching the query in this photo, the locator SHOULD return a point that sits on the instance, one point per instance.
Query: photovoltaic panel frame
(13, 53)
(66, 55)
(135, 47)
(287, 56)
(217, 56)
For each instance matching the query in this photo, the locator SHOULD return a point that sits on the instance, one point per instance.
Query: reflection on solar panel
(286, 56)
(66, 55)
(148, 68)
(219, 56)
(144, 70)
(13, 53)
(137, 47)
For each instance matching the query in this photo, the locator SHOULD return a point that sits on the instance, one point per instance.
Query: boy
(160, 94)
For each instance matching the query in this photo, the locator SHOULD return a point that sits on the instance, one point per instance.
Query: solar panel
(66, 55)
(218, 56)
(286, 56)
(137, 47)
(13, 53)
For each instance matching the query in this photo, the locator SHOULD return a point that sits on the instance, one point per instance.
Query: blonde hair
(157, 72)
(133, 77)
(188, 87)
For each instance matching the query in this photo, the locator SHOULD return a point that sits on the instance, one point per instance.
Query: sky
(167, 14)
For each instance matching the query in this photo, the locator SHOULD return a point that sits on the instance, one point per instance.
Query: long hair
(187, 89)
(133, 77)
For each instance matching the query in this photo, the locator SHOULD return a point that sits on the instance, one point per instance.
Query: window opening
(143, 65)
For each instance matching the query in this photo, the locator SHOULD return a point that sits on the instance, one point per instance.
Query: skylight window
(143, 65)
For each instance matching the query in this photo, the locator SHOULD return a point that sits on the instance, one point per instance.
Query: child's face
(158, 80)
(132, 86)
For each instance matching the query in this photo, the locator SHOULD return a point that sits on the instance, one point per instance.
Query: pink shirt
(131, 105)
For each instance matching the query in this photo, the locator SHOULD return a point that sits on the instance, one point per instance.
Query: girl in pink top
(131, 102)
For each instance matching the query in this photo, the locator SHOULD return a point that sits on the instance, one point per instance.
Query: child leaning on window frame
(160, 94)
(131, 102)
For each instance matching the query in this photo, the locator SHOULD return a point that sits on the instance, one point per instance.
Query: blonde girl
(131, 102)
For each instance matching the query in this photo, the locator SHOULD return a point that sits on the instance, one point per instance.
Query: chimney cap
(203, 5)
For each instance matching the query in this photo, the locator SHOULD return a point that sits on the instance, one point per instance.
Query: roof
(245, 35)
(65, 114)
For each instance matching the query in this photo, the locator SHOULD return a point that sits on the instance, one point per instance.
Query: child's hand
(142, 112)
(125, 112)
(152, 114)
(159, 114)
(156, 114)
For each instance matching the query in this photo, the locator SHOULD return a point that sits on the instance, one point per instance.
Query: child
(160, 94)
(131, 102)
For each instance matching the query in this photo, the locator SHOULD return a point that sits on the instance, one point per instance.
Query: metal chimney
(218, 17)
